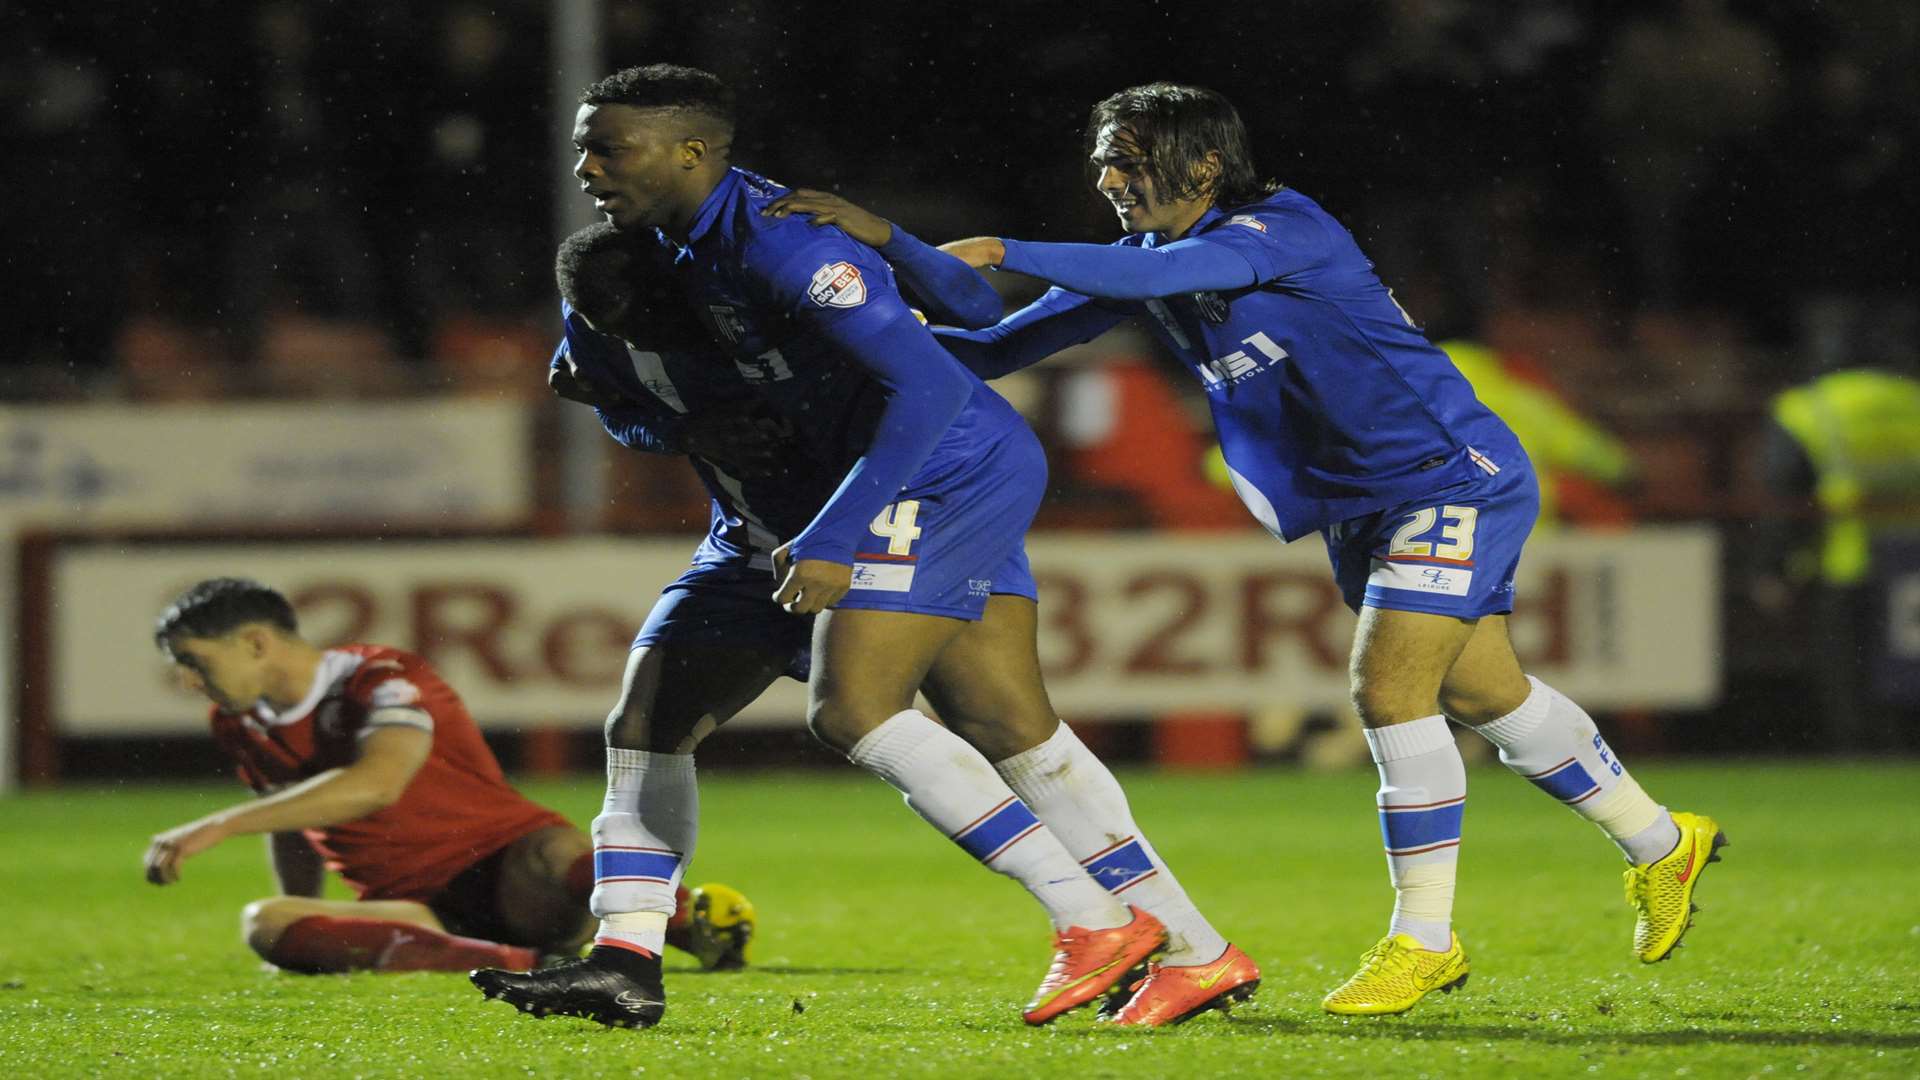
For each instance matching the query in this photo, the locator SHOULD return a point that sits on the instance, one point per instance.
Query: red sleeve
(392, 690)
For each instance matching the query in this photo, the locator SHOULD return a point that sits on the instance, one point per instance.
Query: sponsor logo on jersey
(728, 323)
(1212, 307)
(838, 284)
(1248, 220)
(883, 577)
(1417, 577)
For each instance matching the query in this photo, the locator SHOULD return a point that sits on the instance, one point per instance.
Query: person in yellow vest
(1849, 443)
(1562, 444)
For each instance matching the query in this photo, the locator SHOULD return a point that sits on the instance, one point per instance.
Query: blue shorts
(953, 540)
(729, 603)
(1451, 553)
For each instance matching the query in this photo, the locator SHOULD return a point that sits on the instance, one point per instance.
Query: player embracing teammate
(1336, 416)
(864, 482)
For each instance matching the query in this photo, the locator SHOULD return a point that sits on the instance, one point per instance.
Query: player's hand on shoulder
(568, 382)
(809, 586)
(828, 209)
(167, 850)
(747, 444)
(979, 252)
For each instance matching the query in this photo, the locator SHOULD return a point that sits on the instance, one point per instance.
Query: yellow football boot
(1661, 891)
(1395, 974)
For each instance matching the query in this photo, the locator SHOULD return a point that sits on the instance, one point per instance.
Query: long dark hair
(1175, 127)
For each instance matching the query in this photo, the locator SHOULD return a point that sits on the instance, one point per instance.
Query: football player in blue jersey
(1336, 415)
(911, 560)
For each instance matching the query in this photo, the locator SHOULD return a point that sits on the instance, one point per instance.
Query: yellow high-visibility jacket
(1861, 430)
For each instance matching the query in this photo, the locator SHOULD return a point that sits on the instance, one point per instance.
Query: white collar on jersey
(334, 666)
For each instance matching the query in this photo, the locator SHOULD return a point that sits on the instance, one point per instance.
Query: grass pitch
(885, 952)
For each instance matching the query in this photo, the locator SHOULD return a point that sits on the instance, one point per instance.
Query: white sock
(641, 843)
(1077, 797)
(1423, 796)
(1554, 744)
(955, 790)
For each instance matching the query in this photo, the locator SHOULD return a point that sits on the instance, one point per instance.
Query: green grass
(910, 961)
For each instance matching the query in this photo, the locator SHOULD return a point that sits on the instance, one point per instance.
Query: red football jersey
(459, 807)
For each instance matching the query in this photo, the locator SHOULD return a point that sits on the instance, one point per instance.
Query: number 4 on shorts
(896, 524)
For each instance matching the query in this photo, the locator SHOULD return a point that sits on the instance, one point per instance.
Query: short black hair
(219, 606)
(593, 270)
(664, 86)
(1174, 127)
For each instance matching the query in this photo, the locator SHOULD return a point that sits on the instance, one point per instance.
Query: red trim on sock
(616, 943)
(1002, 805)
(1109, 849)
(682, 909)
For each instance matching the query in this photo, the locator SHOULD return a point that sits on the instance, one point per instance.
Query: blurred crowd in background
(1633, 223)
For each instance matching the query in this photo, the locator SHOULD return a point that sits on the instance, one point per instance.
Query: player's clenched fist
(567, 381)
(809, 586)
(169, 849)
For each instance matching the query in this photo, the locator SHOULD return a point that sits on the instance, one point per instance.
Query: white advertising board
(174, 466)
(535, 631)
(252, 466)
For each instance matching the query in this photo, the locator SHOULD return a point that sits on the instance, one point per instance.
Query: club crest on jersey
(838, 284)
(728, 323)
(1212, 308)
(1248, 220)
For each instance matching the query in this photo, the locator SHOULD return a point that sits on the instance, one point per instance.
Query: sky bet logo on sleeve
(838, 284)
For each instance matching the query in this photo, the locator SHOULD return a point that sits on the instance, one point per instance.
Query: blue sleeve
(954, 293)
(841, 293)
(636, 424)
(1057, 320)
(1124, 272)
(924, 391)
(637, 427)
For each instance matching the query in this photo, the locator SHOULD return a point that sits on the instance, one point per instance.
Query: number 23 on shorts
(1417, 538)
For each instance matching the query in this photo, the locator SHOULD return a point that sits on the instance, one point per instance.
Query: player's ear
(692, 152)
(255, 638)
(1206, 172)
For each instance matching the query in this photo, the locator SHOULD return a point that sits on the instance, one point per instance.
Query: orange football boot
(1086, 963)
(1173, 995)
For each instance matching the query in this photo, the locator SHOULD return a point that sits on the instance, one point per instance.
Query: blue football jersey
(677, 376)
(1329, 401)
(812, 322)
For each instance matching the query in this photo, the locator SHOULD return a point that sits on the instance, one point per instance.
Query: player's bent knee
(264, 920)
(1469, 707)
(838, 726)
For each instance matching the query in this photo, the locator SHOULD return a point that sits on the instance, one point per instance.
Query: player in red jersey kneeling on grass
(368, 764)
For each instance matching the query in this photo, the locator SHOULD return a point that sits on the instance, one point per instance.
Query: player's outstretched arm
(1125, 272)
(953, 293)
(1058, 320)
(390, 755)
